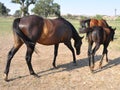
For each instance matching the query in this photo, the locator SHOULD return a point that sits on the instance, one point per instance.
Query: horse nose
(78, 53)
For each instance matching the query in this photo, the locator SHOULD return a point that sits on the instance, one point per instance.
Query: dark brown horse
(99, 36)
(34, 29)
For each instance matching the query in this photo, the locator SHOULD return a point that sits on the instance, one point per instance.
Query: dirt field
(66, 77)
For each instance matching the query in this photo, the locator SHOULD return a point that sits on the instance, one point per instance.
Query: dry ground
(66, 77)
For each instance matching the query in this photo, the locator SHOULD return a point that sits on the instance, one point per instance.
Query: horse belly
(49, 41)
(53, 40)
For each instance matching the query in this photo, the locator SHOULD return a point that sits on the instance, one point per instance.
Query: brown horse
(93, 22)
(100, 36)
(34, 29)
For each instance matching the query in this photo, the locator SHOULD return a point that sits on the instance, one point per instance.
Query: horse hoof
(34, 74)
(5, 77)
(107, 60)
(74, 63)
(100, 66)
(54, 66)
(92, 69)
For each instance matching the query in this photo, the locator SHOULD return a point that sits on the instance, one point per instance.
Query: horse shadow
(80, 64)
(110, 64)
(70, 66)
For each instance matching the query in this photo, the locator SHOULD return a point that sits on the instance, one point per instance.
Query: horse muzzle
(78, 53)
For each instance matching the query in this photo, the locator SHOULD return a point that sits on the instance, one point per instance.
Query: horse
(93, 22)
(99, 36)
(35, 29)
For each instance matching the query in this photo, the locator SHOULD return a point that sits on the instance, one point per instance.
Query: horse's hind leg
(55, 54)
(105, 51)
(30, 49)
(14, 49)
(93, 54)
(69, 45)
(100, 65)
(89, 53)
(107, 55)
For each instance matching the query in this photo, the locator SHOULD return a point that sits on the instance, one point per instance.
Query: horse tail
(85, 30)
(18, 31)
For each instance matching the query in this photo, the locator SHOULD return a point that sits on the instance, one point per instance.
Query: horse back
(55, 31)
(95, 22)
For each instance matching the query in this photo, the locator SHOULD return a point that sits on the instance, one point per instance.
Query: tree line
(43, 8)
(3, 9)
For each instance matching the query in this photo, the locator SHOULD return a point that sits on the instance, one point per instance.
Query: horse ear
(114, 29)
(82, 37)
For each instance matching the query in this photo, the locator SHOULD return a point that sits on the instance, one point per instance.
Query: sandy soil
(66, 77)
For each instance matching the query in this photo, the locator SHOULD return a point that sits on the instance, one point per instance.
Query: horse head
(82, 24)
(112, 33)
(78, 44)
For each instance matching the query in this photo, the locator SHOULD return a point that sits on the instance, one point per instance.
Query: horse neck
(75, 35)
(106, 23)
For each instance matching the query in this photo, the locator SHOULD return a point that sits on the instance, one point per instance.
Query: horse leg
(107, 55)
(11, 53)
(29, 53)
(55, 54)
(105, 51)
(93, 54)
(69, 45)
(100, 65)
(89, 53)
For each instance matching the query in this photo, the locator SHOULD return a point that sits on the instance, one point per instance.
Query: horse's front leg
(69, 45)
(107, 56)
(55, 54)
